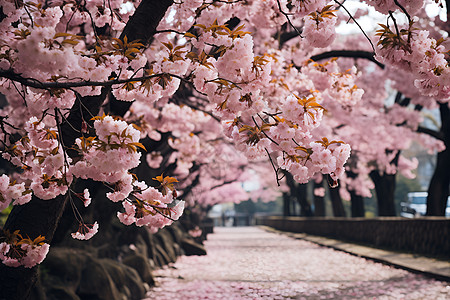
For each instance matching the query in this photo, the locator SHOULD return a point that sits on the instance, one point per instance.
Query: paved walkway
(251, 263)
(436, 268)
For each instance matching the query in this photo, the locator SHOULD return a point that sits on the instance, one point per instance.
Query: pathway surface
(250, 263)
(436, 268)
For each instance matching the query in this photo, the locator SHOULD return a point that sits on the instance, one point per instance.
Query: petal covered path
(250, 263)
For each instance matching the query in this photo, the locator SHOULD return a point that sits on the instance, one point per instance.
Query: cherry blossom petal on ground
(249, 263)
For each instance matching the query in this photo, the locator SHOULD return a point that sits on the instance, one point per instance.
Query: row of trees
(318, 199)
(387, 123)
(146, 102)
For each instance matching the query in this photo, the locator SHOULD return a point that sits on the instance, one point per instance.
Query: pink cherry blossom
(85, 231)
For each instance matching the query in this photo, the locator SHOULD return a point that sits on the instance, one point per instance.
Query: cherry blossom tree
(390, 126)
(64, 75)
(146, 98)
(423, 37)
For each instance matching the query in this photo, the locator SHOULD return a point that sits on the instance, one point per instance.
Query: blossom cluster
(85, 232)
(109, 155)
(10, 191)
(18, 251)
(416, 52)
(319, 158)
(42, 159)
(384, 6)
(151, 207)
(319, 29)
(306, 7)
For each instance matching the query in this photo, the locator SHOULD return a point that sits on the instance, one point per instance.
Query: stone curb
(432, 267)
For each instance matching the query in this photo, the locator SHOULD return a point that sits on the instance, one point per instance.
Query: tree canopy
(151, 99)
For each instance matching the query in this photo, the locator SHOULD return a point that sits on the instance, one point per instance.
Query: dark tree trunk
(319, 202)
(336, 202)
(41, 217)
(357, 205)
(385, 189)
(38, 217)
(301, 195)
(356, 201)
(293, 207)
(438, 189)
(286, 205)
(299, 192)
(142, 24)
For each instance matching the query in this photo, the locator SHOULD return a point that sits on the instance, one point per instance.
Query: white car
(416, 205)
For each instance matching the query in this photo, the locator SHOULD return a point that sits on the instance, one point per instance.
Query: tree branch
(356, 22)
(142, 25)
(289, 20)
(349, 53)
(34, 83)
(434, 133)
(41, 217)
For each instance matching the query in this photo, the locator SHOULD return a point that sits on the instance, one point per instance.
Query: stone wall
(427, 236)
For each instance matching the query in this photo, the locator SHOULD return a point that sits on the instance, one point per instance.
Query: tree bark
(293, 207)
(299, 192)
(356, 201)
(38, 217)
(142, 25)
(302, 198)
(319, 202)
(438, 189)
(336, 202)
(286, 204)
(385, 190)
(357, 205)
(41, 217)
(348, 53)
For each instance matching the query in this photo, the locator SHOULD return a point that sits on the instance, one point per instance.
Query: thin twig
(75, 210)
(83, 106)
(404, 10)
(29, 15)
(166, 216)
(395, 25)
(23, 96)
(289, 20)
(264, 131)
(202, 110)
(61, 142)
(356, 22)
(97, 38)
(2, 121)
(70, 19)
(273, 166)
(220, 78)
